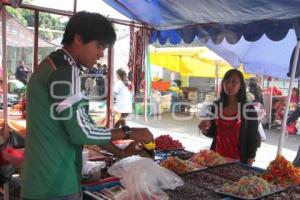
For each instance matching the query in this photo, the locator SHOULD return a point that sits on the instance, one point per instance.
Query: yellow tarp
(191, 61)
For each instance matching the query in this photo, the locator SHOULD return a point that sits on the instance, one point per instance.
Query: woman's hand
(204, 125)
(250, 161)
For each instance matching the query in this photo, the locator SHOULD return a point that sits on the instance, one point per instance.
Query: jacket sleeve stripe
(87, 129)
(92, 125)
(73, 81)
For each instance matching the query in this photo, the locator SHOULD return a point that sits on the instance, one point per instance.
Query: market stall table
(10, 154)
(204, 183)
(15, 122)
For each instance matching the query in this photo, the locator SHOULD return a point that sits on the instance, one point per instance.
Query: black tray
(203, 179)
(236, 176)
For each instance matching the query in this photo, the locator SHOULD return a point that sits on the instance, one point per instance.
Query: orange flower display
(282, 172)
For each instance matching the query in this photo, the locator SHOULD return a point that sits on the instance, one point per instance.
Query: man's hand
(117, 134)
(134, 148)
(141, 135)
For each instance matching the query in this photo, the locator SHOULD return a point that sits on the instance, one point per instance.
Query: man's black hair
(90, 26)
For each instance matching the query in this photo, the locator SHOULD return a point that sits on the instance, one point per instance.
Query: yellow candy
(150, 146)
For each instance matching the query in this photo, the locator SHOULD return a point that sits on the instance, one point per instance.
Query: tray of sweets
(249, 187)
(179, 166)
(210, 158)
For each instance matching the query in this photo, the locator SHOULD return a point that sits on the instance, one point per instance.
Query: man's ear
(77, 39)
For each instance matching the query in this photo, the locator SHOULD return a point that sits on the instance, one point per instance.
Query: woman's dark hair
(90, 26)
(241, 95)
(123, 76)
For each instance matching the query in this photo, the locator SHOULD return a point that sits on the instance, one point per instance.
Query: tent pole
(109, 100)
(145, 66)
(74, 7)
(4, 66)
(36, 41)
(298, 91)
(5, 89)
(283, 126)
(217, 79)
(271, 102)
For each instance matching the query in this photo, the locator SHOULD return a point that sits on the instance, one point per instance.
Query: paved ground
(184, 128)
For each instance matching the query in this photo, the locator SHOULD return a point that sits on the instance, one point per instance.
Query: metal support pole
(36, 40)
(217, 79)
(5, 87)
(271, 102)
(110, 96)
(286, 110)
(145, 66)
(75, 7)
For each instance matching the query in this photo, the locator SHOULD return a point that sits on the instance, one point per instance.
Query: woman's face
(232, 85)
(294, 92)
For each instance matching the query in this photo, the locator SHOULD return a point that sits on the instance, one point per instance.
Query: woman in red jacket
(233, 124)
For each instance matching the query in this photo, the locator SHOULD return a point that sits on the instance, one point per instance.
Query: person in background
(211, 95)
(101, 80)
(102, 69)
(294, 112)
(234, 125)
(295, 96)
(278, 105)
(88, 85)
(22, 72)
(123, 97)
(98, 67)
(255, 89)
(177, 94)
(294, 103)
(58, 121)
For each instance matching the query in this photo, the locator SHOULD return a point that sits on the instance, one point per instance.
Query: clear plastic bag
(144, 179)
(92, 170)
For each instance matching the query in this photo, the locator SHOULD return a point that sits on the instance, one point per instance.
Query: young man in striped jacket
(58, 124)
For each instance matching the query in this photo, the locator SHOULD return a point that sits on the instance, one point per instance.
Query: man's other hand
(142, 135)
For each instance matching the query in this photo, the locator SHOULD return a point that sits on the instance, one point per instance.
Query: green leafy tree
(47, 21)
